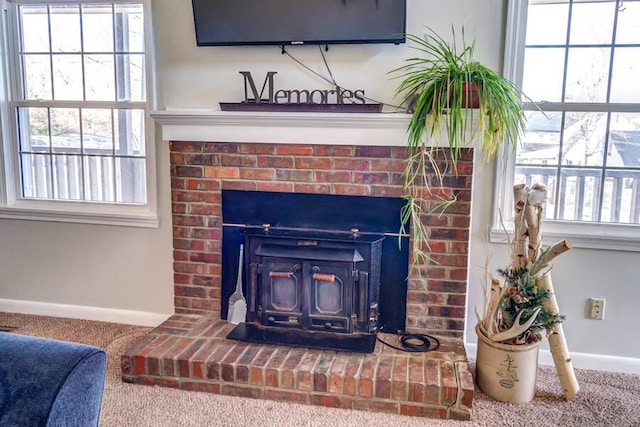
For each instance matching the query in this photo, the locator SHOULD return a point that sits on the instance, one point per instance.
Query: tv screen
(286, 22)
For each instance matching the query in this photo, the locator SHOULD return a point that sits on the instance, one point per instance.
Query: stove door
(307, 294)
(329, 295)
(282, 293)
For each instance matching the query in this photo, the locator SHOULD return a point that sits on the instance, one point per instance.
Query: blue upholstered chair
(44, 382)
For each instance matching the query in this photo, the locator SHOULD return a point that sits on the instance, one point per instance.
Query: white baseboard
(140, 318)
(597, 362)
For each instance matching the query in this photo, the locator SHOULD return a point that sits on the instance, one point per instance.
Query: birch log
(558, 343)
(555, 250)
(534, 237)
(519, 254)
(533, 214)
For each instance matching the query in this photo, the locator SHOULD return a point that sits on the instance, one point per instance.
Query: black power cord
(414, 343)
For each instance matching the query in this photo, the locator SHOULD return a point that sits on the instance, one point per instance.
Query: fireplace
(316, 267)
(435, 294)
(190, 350)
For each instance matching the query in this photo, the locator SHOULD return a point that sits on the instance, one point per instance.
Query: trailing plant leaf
(414, 213)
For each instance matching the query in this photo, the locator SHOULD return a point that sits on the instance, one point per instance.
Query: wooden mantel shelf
(371, 129)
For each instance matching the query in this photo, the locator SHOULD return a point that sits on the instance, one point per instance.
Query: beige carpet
(605, 399)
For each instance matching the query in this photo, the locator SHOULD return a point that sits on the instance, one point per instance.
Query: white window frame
(12, 205)
(624, 237)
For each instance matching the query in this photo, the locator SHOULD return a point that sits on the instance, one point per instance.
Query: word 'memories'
(296, 96)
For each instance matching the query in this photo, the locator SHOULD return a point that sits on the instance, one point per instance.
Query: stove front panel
(306, 294)
(313, 281)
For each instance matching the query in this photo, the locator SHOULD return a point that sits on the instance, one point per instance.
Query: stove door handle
(280, 274)
(324, 277)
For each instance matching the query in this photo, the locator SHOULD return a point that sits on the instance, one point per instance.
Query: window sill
(126, 216)
(612, 237)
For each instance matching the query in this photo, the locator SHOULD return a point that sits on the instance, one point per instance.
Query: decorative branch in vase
(523, 304)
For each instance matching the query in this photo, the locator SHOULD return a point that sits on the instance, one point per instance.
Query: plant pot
(469, 98)
(504, 372)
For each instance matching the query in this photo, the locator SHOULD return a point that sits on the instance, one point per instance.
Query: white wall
(193, 77)
(130, 268)
(118, 274)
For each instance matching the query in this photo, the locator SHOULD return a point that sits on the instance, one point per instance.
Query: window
(77, 108)
(578, 61)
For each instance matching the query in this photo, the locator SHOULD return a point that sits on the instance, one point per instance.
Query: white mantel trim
(368, 129)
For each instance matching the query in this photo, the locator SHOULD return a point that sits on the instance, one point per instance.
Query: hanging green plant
(445, 84)
(442, 87)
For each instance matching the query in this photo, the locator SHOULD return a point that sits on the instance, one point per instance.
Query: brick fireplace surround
(189, 350)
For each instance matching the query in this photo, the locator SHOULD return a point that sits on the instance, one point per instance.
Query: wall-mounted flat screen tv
(287, 22)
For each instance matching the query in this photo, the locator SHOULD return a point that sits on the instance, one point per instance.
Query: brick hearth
(189, 350)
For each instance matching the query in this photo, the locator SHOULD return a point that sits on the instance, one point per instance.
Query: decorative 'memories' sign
(338, 99)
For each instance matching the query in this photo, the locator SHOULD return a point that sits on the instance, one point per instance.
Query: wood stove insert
(310, 288)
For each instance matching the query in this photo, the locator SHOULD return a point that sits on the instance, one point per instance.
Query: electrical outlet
(596, 308)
